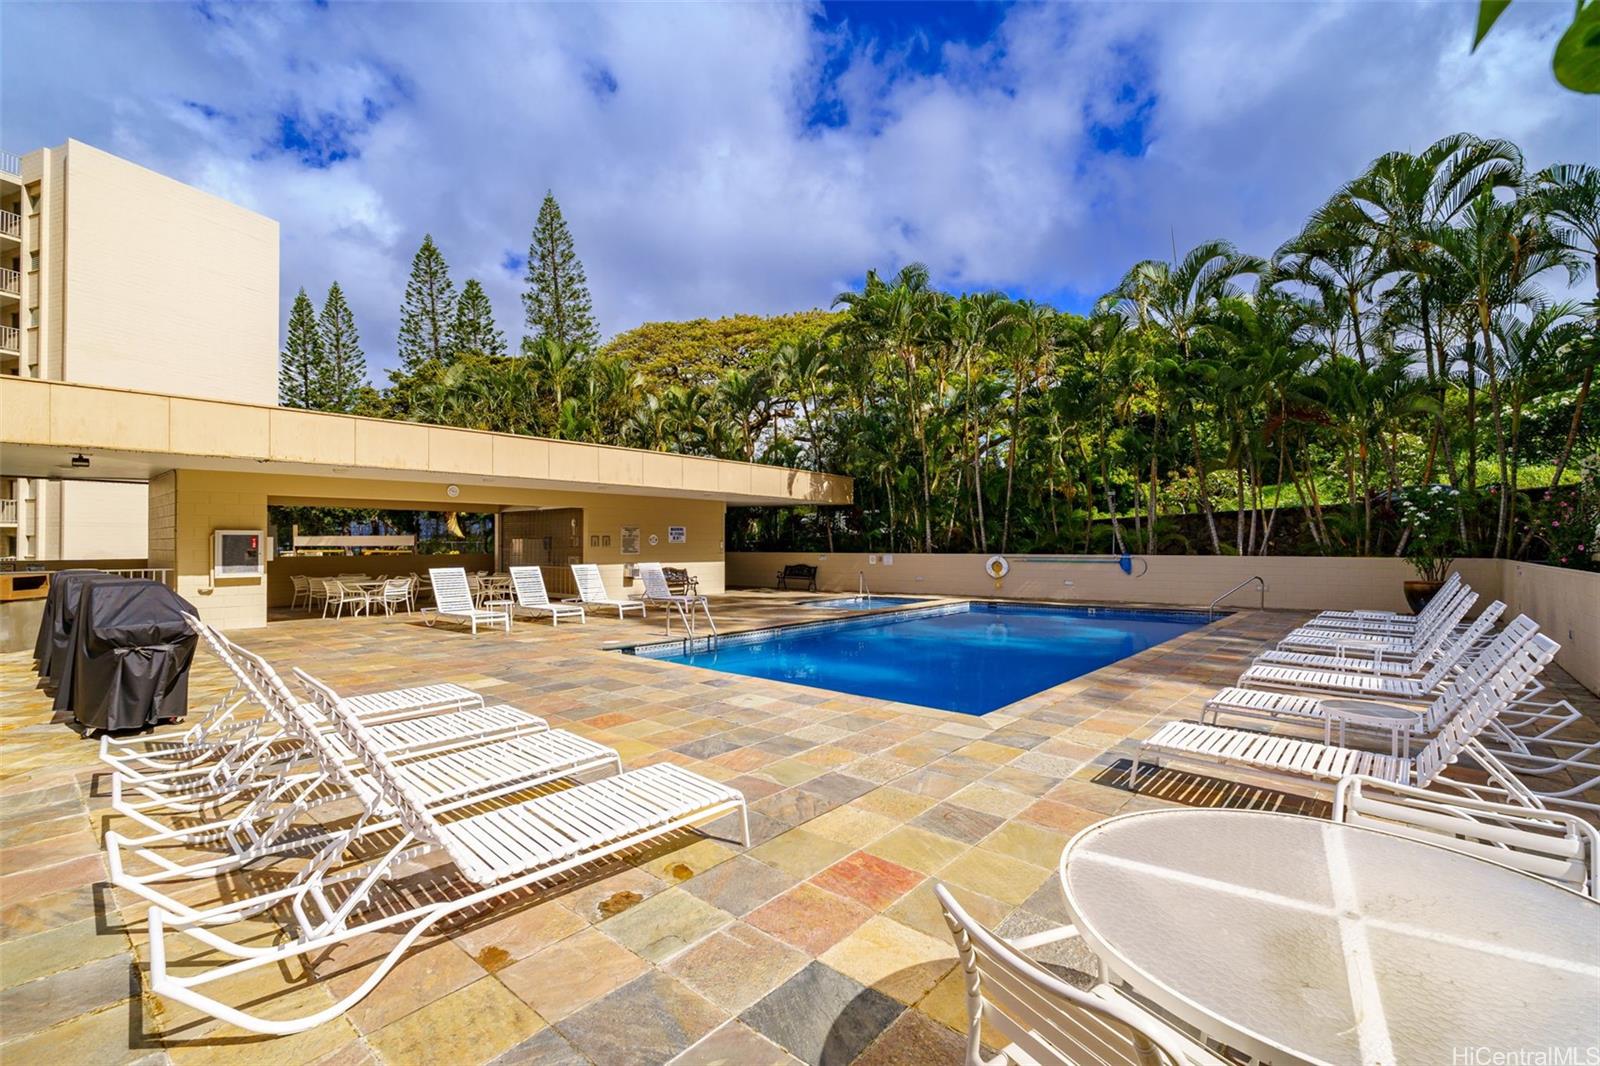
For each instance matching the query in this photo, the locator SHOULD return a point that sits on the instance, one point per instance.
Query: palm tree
(1535, 359)
(1569, 195)
(1400, 202)
(1178, 299)
(893, 318)
(1495, 253)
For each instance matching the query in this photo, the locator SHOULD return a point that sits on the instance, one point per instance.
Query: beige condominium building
(138, 417)
(113, 275)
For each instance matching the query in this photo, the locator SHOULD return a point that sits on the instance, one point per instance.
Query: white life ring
(997, 567)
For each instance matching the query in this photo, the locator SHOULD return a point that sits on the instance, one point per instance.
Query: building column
(186, 508)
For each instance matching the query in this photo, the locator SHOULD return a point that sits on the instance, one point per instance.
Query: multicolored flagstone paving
(820, 944)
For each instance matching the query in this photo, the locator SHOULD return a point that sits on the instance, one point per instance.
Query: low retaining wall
(1566, 603)
(280, 590)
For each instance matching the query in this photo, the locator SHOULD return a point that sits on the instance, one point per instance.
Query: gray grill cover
(52, 650)
(131, 651)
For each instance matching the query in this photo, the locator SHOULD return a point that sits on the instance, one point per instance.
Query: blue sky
(717, 158)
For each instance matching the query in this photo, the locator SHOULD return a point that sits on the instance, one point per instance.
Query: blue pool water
(862, 603)
(970, 657)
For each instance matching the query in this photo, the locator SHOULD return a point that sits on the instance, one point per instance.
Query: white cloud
(695, 189)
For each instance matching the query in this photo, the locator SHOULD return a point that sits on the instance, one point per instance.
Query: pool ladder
(1211, 608)
(861, 586)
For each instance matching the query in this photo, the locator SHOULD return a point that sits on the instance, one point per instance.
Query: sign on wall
(630, 540)
(677, 535)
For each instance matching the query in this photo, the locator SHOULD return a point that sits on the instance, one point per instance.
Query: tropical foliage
(701, 350)
(1221, 402)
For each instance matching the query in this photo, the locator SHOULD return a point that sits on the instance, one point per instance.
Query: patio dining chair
(301, 591)
(1048, 1021)
(657, 593)
(338, 898)
(592, 591)
(316, 592)
(396, 592)
(342, 594)
(531, 596)
(454, 601)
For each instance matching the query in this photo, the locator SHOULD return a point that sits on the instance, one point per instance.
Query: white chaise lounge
(527, 582)
(592, 591)
(452, 597)
(1321, 764)
(658, 594)
(338, 898)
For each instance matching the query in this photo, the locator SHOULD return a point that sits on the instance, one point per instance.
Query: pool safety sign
(677, 535)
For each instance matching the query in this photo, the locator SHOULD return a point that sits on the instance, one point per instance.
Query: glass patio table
(1295, 939)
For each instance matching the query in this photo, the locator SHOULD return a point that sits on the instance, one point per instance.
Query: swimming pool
(967, 657)
(862, 603)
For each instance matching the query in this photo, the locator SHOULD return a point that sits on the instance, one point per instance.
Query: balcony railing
(10, 164)
(10, 281)
(11, 224)
(11, 340)
(8, 512)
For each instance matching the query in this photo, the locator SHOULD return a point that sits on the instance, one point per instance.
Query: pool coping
(994, 719)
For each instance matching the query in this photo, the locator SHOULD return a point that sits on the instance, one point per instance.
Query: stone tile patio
(821, 944)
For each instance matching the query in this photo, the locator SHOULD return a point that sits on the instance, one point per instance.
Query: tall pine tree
(557, 302)
(473, 330)
(302, 366)
(429, 309)
(346, 366)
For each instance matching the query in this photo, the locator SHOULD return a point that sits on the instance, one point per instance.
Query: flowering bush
(1569, 524)
(1430, 513)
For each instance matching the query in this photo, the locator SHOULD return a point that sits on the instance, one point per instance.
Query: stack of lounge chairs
(1396, 699)
(314, 807)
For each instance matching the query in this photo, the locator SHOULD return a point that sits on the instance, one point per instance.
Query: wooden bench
(802, 572)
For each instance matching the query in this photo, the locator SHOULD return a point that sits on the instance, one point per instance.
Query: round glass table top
(1297, 939)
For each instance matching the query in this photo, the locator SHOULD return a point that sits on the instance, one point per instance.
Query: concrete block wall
(205, 502)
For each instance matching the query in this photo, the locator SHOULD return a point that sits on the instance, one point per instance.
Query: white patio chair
(592, 591)
(342, 594)
(1559, 847)
(657, 593)
(301, 595)
(1048, 1021)
(528, 584)
(1354, 678)
(335, 900)
(316, 592)
(396, 592)
(1322, 764)
(457, 774)
(453, 600)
